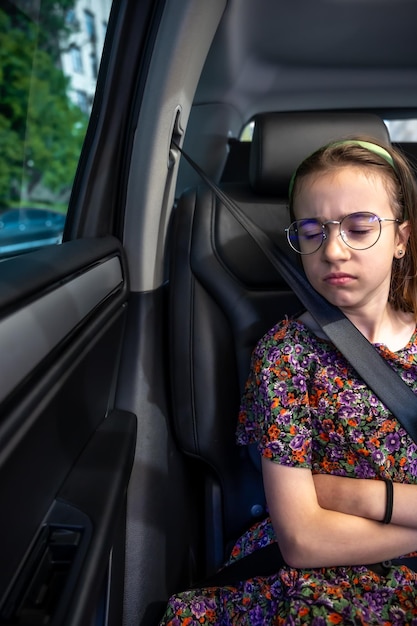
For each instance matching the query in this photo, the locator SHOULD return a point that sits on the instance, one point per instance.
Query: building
(80, 57)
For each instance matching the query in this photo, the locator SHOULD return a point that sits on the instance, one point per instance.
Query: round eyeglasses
(359, 231)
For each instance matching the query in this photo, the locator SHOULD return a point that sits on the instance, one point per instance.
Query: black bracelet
(390, 501)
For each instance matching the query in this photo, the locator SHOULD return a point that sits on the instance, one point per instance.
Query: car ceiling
(299, 54)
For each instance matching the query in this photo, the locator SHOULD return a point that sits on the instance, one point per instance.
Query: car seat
(224, 295)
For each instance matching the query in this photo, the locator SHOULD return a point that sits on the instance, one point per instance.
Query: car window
(400, 130)
(49, 57)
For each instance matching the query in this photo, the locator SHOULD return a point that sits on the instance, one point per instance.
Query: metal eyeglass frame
(341, 232)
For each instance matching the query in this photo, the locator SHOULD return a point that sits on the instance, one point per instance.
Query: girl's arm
(312, 536)
(367, 498)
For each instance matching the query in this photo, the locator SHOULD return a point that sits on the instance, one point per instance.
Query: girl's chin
(340, 300)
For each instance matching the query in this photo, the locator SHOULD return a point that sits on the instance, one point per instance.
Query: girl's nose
(333, 246)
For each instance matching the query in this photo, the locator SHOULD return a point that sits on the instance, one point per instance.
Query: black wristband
(390, 501)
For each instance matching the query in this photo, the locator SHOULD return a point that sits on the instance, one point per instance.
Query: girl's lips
(338, 279)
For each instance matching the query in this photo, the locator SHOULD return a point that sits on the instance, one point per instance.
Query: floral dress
(304, 406)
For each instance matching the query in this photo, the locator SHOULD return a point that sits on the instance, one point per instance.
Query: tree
(51, 19)
(41, 130)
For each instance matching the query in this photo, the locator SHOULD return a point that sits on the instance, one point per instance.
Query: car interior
(125, 348)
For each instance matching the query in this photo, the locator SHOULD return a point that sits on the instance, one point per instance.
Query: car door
(66, 448)
(66, 452)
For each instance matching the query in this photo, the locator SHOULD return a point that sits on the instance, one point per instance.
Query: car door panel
(22, 334)
(65, 454)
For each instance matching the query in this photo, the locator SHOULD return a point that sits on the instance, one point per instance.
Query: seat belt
(368, 363)
(267, 561)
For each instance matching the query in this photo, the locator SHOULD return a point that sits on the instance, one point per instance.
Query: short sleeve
(274, 411)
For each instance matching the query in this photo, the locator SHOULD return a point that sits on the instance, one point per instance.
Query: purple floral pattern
(304, 406)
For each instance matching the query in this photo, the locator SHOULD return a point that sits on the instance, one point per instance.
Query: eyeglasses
(359, 231)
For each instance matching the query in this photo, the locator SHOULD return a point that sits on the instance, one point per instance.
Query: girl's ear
(403, 234)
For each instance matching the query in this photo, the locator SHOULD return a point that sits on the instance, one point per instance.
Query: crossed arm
(324, 521)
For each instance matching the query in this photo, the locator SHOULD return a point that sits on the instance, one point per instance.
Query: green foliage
(41, 130)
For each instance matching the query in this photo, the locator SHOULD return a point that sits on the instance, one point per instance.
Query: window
(94, 65)
(82, 101)
(404, 130)
(77, 62)
(247, 132)
(44, 112)
(90, 25)
(71, 19)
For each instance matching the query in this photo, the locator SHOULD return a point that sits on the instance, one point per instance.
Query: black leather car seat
(224, 295)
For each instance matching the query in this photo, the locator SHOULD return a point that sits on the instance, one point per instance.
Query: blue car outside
(24, 229)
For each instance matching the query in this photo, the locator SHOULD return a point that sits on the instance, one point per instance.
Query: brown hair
(402, 189)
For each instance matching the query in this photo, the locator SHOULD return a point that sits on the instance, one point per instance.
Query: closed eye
(310, 230)
(311, 236)
(360, 231)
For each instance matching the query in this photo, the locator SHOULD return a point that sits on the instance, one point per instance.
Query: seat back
(224, 295)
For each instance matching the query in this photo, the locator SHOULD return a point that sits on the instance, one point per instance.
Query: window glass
(402, 130)
(50, 51)
(247, 132)
(399, 130)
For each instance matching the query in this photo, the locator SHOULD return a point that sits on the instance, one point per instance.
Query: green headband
(372, 147)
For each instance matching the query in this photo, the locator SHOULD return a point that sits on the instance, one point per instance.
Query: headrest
(282, 140)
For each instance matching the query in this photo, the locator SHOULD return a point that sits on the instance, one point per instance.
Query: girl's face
(354, 280)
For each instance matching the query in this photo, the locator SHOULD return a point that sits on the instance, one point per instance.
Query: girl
(339, 471)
